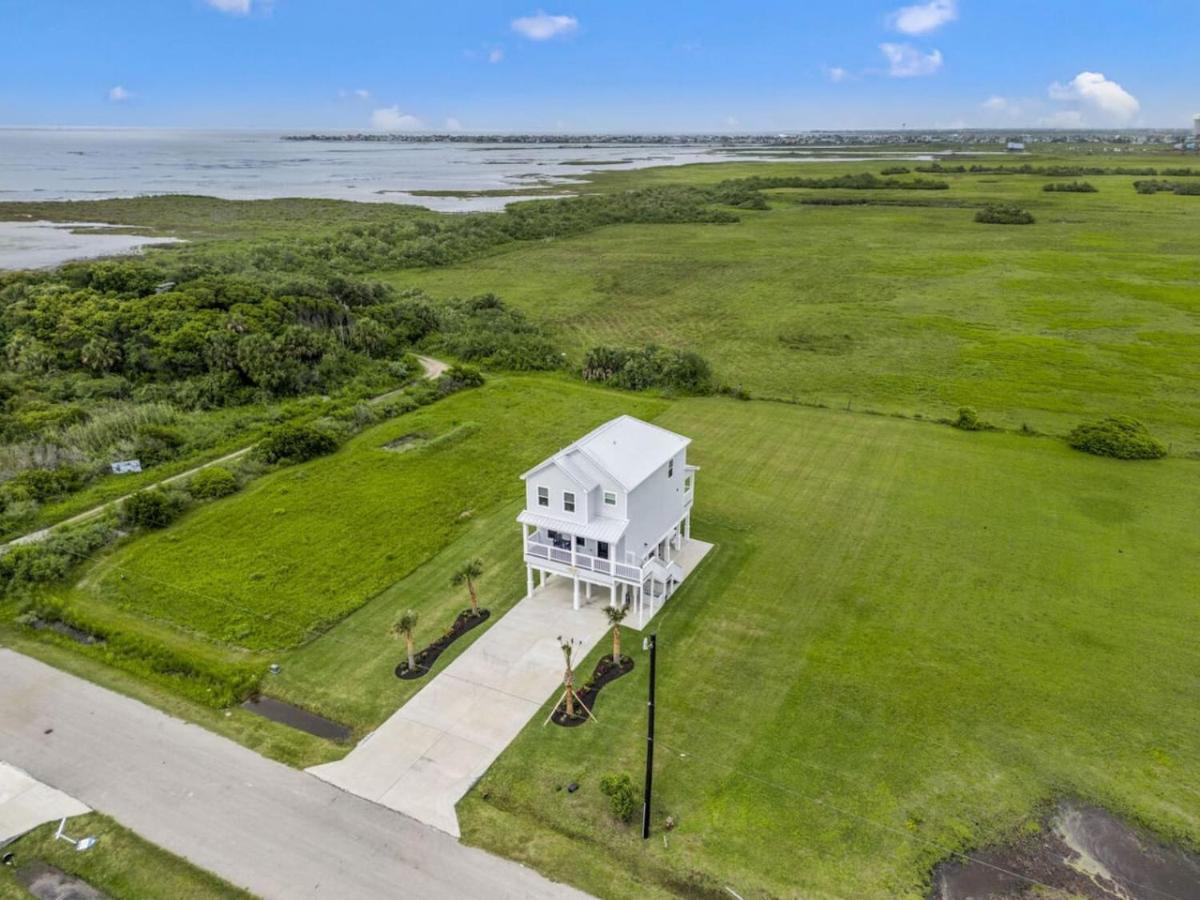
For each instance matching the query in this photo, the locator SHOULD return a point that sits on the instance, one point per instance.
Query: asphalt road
(275, 831)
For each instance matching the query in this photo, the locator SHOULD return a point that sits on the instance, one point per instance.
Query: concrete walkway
(258, 824)
(425, 758)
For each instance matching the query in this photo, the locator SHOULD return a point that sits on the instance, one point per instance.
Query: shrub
(1004, 214)
(968, 420)
(622, 798)
(157, 443)
(153, 508)
(1070, 187)
(649, 367)
(295, 444)
(53, 558)
(1119, 437)
(211, 483)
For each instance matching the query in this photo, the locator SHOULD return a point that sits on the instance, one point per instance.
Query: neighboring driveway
(258, 824)
(424, 758)
(26, 803)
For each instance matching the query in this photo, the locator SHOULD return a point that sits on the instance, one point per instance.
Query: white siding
(552, 477)
(654, 506)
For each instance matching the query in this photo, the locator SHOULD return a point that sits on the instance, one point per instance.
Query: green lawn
(908, 639)
(121, 865)
(1091, 311)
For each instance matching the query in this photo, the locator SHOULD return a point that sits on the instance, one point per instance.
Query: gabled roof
(625, 449)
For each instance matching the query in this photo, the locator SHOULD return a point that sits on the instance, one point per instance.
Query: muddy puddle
(48, 883)
(295, 717)
(1082, 851)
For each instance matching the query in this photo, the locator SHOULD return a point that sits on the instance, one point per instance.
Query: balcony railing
(547, 551)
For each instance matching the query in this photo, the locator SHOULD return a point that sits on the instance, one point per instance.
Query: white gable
(626, 449)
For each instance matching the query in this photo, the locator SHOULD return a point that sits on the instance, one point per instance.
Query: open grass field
(918, 310)
(122, 865)
(279, 563)
(907, 641)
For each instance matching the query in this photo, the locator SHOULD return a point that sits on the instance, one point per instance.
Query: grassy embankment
(122, 865)
(909, 309)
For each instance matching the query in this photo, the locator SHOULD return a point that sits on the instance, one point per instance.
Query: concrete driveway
(424, 758)
(259, 824)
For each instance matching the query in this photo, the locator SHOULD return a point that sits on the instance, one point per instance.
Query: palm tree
(616, 614)
(404, 627)
(468, 572)
(568, 649)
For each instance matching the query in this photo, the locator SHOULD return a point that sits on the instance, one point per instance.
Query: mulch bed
(605, 673)
(426, 658)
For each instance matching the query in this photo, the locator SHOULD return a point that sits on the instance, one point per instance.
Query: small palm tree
(616, 615)
(404, 627)
(468, 572)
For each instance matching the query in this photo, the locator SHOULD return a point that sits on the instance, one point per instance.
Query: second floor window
(610, 498)
(568, 501)
(670, 468)
(543, 496)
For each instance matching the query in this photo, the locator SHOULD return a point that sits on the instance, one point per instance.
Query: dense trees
(648, 367)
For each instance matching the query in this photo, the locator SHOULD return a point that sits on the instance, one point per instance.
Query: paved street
(273, 830)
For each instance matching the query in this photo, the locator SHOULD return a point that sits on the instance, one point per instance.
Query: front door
(602, 549)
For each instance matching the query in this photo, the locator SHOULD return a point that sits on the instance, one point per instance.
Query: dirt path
(433, 368)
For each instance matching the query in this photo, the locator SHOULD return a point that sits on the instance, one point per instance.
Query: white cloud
(390, 118)
(495, 55)
(922, 18)
(233, 7)
(118, 94)
(543, 26)
(452, 124)
(836, 74)
(1094, 91)
(357, 94)
(1003, 106)
(1064, 118)
(906, 61)
(732, 122)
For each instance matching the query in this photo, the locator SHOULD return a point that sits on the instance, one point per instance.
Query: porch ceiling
(608, 530)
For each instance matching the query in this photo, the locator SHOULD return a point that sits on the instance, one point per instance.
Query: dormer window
(543, 496)
(670, 468)
(568, 502)
(610, 498)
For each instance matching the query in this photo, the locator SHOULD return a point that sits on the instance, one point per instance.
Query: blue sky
(602, 66)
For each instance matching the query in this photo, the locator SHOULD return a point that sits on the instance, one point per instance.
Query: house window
(602, 549)
(543, 496)
(610, 498)
(568, 501)
(580, 542)
(670, 468)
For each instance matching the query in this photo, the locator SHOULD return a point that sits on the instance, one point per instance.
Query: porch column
(687, 527)
(613, 595)
(639, 599)
(528, 580)
(575, 597)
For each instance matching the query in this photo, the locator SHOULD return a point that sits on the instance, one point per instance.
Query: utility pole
(649, 644)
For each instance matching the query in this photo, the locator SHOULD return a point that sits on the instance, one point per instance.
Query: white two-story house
(613, 510)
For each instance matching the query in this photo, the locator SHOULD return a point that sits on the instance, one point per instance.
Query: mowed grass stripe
(934, 631)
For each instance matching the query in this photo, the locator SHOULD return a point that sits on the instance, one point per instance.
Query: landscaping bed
(426, 658)
(605, 673)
